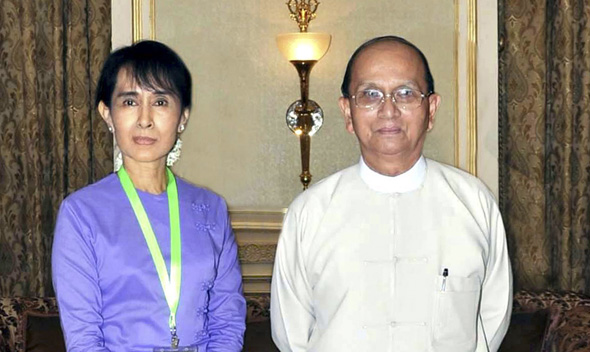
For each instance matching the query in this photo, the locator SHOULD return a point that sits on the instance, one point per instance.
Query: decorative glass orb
(296, 109)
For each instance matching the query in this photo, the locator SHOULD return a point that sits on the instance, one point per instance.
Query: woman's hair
(388, 38)
(153, 65)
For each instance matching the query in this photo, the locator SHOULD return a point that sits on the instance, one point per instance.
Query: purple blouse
(108, 291)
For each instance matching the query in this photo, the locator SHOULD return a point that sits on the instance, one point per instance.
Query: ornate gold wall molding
(137, 25)
(257, 233)
(472, 87)
(136, 21)
(243, 219)
(456, 87)
(153, 19)
(253, 253)
(466, 115)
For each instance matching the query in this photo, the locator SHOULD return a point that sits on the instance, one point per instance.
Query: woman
(141, 259)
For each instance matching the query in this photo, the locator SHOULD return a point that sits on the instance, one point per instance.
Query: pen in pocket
(444, 283)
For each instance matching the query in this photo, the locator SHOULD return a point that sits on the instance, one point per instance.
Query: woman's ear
(105, 113)
(183, 119)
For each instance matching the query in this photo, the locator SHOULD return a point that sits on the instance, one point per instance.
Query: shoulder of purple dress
(187, 188)
(202, 201)
(103, 188)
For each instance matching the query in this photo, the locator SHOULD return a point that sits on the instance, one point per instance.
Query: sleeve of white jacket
(496, 300)
(291, 311)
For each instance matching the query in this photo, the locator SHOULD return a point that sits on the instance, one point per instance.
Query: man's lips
(389, 129)
(142, 140)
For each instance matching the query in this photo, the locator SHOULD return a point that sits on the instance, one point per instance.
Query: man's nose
(145, 119)
(388, 108)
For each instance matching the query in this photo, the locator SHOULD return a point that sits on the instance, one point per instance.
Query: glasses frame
(390, 96)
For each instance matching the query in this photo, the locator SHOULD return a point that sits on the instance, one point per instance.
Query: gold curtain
(52, 141)
(545, 141)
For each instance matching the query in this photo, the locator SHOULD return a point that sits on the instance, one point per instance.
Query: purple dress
(107, 287)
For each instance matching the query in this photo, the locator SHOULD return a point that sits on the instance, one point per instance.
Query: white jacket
(362, 270)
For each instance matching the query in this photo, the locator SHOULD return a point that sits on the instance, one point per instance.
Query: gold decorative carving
(257, 253)
(257, 232)
(302, 12)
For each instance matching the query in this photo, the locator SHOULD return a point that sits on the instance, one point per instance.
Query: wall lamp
(304, 50)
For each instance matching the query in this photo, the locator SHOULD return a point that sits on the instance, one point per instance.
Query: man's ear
(433, 103)
(344, 104)
(105, 113)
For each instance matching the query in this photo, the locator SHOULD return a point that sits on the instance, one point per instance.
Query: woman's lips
(144, 140)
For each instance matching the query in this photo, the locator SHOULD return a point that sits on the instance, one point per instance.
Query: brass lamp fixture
(304, 50)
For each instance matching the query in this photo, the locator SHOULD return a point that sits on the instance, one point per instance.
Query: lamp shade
(304, 46)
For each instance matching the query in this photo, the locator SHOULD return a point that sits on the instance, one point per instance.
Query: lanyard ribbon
(170, 286)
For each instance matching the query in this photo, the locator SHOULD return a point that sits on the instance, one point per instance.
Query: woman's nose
(144, 119)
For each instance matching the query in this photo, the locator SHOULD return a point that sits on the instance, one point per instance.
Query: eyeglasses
(405, 98)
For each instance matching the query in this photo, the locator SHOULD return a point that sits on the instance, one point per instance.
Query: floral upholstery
(573, 331)
(258, 308)
(568, 329)
(529, 301)
(14, 312)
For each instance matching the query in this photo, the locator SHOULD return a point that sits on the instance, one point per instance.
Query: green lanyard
(171, 287)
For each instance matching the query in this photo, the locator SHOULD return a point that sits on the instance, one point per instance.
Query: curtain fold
(52, 140)
(545, 141)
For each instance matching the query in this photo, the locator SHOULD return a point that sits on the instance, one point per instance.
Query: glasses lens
(368, 98)
(407, 98)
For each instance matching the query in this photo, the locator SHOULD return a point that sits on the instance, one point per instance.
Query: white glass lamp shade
(304, 46)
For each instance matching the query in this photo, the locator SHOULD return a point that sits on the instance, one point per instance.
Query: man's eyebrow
(411, 83)
(367, 84)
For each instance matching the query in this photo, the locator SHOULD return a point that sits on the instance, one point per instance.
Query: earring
(110, 128)
(174, 154)
(181, 128)
(118, 161)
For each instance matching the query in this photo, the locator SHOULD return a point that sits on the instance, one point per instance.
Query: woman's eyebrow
(126, 94)
(162, 92)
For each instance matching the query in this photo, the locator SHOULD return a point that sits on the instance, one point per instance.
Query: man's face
(387, 132)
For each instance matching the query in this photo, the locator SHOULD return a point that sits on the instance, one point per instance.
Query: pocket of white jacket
(454, 320)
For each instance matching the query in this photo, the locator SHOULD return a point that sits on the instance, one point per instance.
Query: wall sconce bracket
(304, 117)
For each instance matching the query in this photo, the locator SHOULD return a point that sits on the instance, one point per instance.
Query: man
(398, 252)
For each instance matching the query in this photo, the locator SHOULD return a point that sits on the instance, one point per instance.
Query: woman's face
(145, 122)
